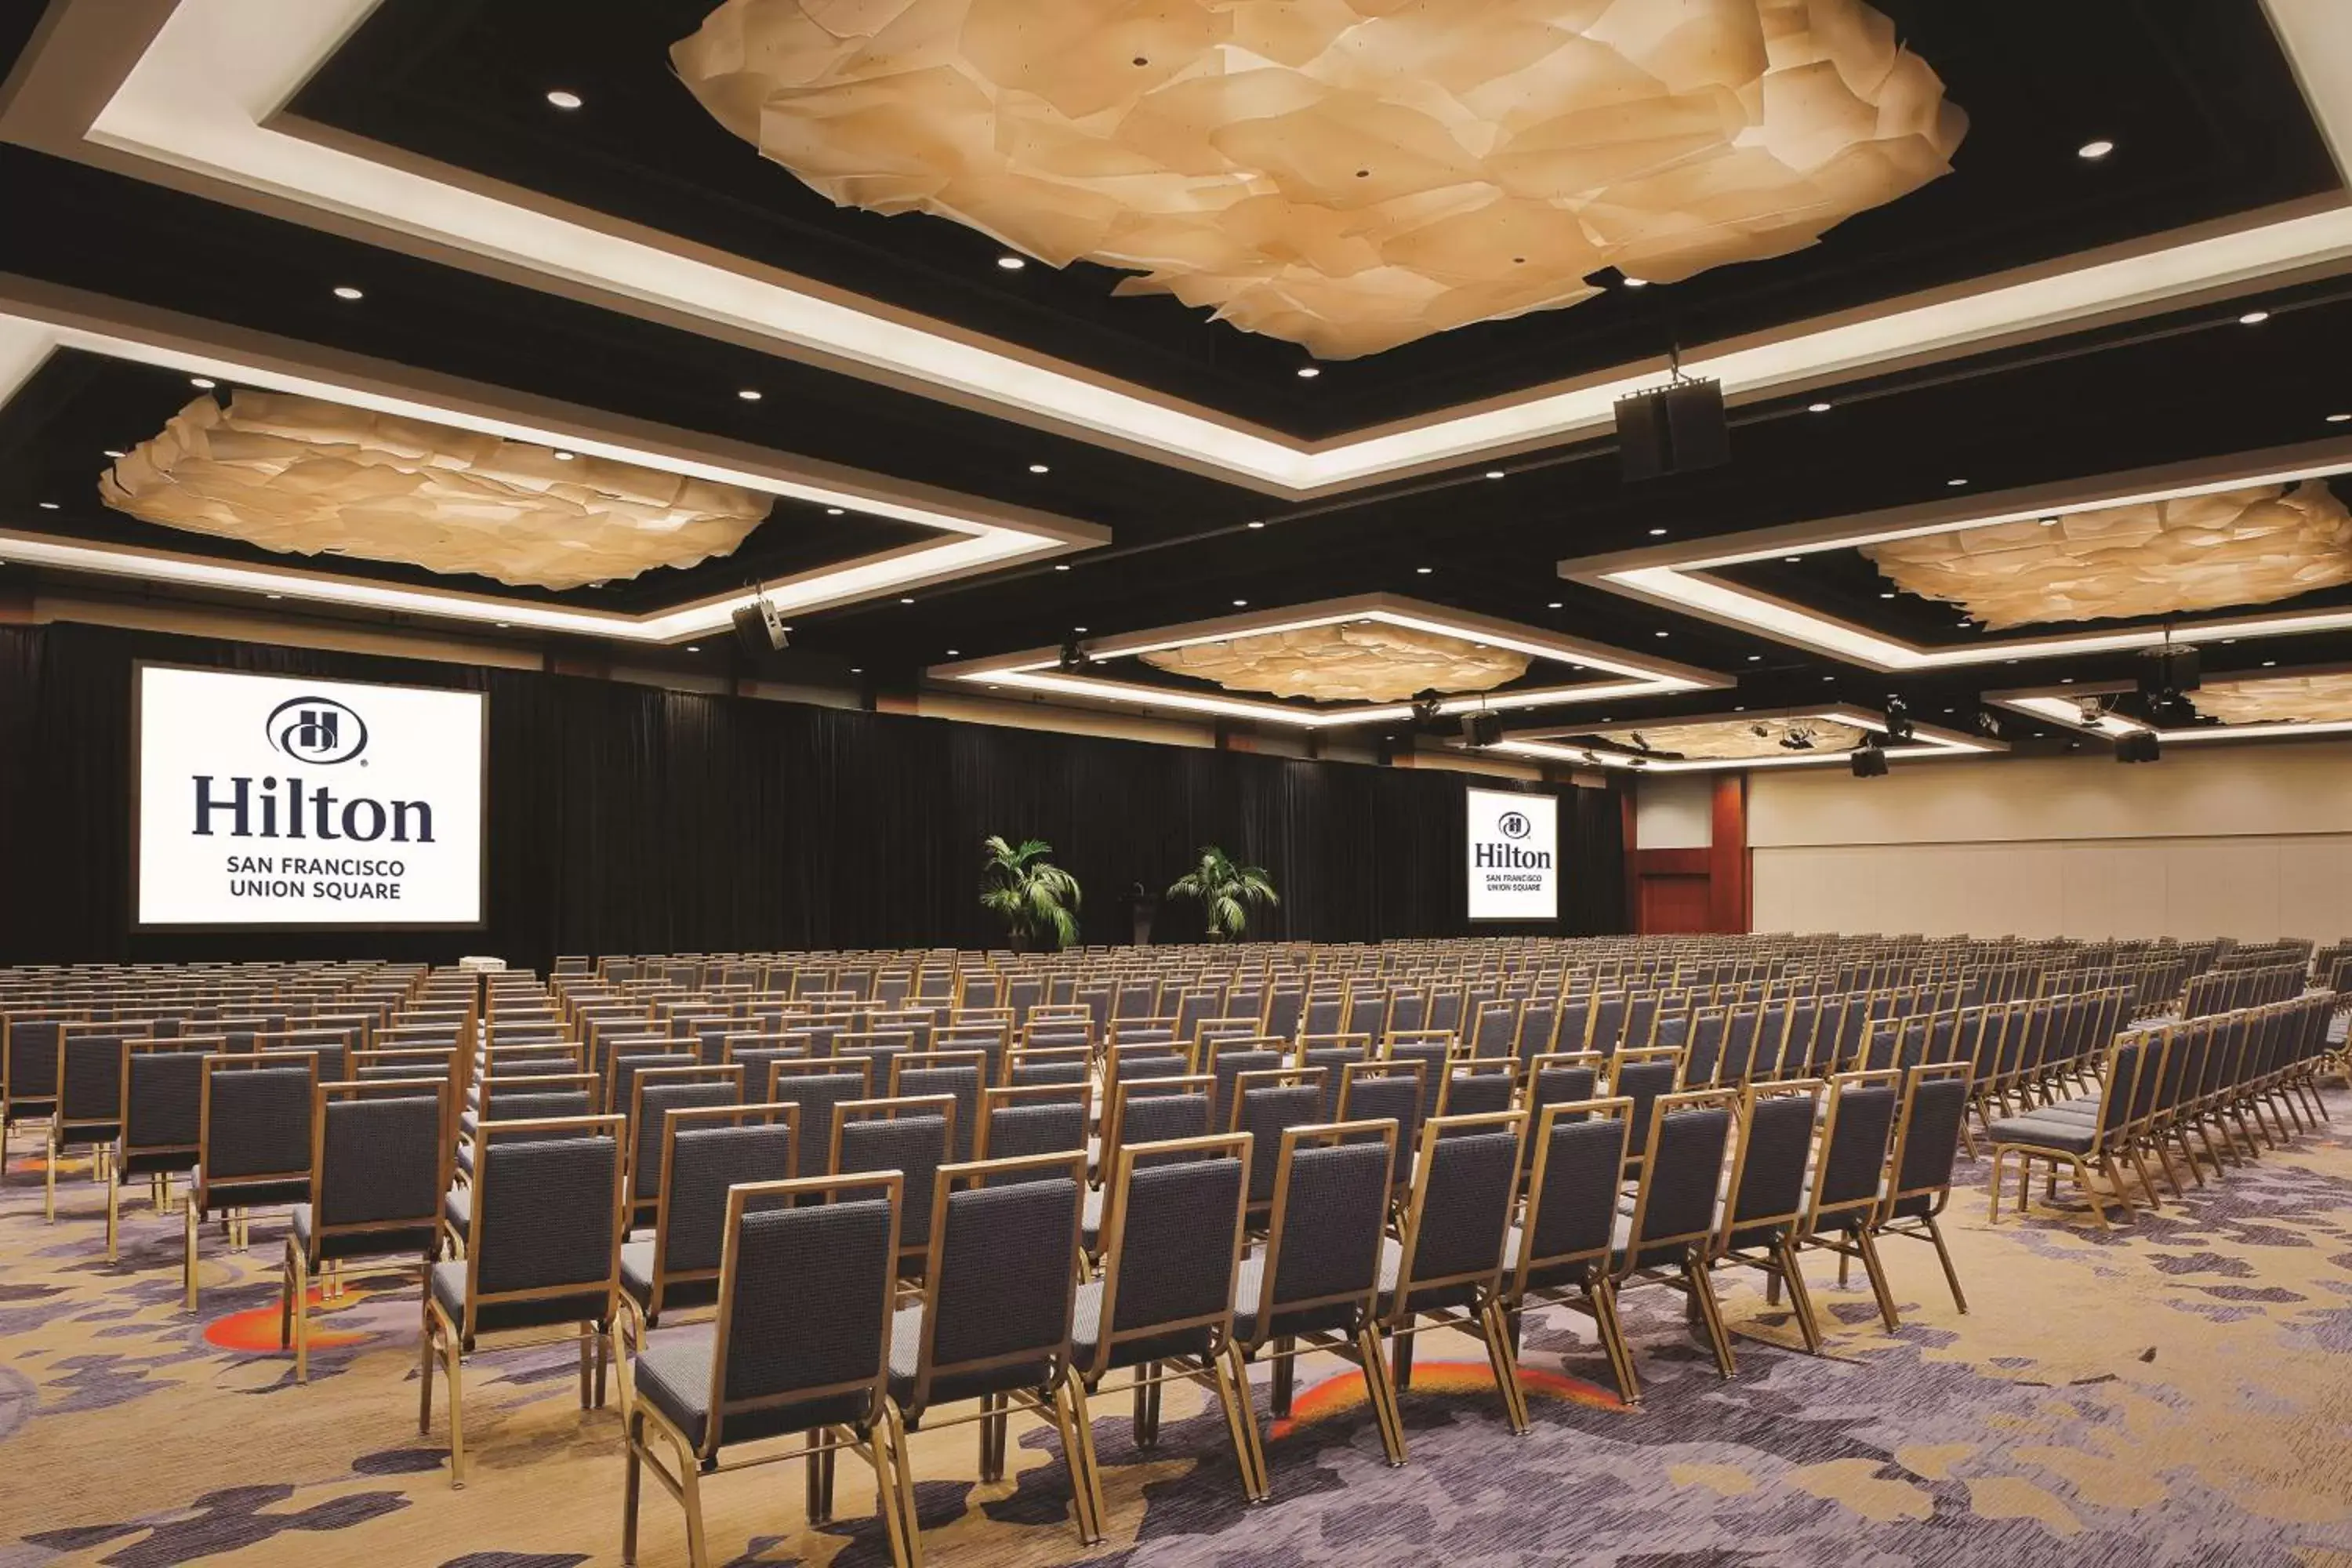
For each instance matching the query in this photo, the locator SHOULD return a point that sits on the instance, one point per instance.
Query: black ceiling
(2197, 98)
(2205, 120)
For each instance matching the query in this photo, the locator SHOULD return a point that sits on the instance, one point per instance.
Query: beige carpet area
(2179, 1391)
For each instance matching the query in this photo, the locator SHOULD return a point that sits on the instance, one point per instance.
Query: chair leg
(1868, 1248)
(1603, 1293)
(586, 1333)
(1382, 1393)
(1800, 1296)
(991, 1467)
(904, 1482)
(1232, 1392)
(425, 1370)
(885, 1492)
(606, 1354)
(188, 1255)
(1286, 1375)
(1944, 1257)
(113, 1212)
(1498, 1335)
(1080, 1440)
(49, 1180)
(1085, 1497)
(2090, 1190)
(1401, 1361)
(632, 1476)
(2115, 1182)
(690, 1497)
(1702, 1293)
(453, 1365)
(819, 1487)
(2000, 1162)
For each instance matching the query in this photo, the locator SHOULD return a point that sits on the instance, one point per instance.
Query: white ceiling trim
(202, 97)
(1927, 740)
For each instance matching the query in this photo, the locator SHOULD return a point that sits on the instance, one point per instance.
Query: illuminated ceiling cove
(1366, 661)
(1346, 174)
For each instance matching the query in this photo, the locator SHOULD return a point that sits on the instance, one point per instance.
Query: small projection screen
(1514, 855)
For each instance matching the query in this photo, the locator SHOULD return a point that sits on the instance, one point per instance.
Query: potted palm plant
(1224, 892)
(1037, 900)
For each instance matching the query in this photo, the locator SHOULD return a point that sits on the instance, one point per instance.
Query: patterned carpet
(2180, 1392)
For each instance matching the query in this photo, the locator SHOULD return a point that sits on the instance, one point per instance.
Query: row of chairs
(2160, 1086)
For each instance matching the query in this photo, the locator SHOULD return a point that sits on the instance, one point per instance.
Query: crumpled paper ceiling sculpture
(1731, 739)
(2278, 700)
(2252, 546)
(1358, 661)
(1348, 174)
(305, 476)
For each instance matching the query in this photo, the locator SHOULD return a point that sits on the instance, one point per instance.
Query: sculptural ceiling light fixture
(2275, 533)
(1719, 742)
(1346, 174)
(1339, 661)
(2242, 708)
(303, 476)
(1339, 653)
(2204, 551)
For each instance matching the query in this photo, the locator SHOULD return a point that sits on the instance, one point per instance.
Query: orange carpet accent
(255, 1330)
(1345, 1392)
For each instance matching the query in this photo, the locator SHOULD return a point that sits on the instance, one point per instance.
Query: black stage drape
(626, 819)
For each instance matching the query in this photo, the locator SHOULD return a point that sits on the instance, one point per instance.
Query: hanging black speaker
(1677, 428)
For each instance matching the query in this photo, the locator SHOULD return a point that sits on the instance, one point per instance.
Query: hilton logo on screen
(1511, 824)
(321, 731)
(316, 730)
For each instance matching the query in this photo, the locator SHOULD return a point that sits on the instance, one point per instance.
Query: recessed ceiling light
(1741, 709)
(2270, 664)
(1755, 658)
(833, 512)
(1657, 533)
(2228, 641)
(1012, 263)
(506, 626)
(1553, 606)
(1887, 595)
(1637, 283)
(1424, 571)
(48, 506)
(2253, 317)
(345, 292)
(2339, 418)
(1080, 630)
(1309, 371)
(1061, 566)
(205, 382)
(563, 456)
(1494, 473)
(1817, 408)
(1792, 559)
(1239, 602)
(2049, 522)
(2094, 150)
(694, 647)
(563, 97)
(112, 453)
(1664, 633)
(1040, 468)
(1956, 483)
(749, 394)
(856, 669)
(906, 601)
(1257, 525)
(954, 651)
(1828, 678)
(277, 595)
(2065, 680)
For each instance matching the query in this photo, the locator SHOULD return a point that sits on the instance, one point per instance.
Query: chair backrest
(958, 1074)
(911, 1136)
(162, 1102)
(1855, 1138)
(1322, 1258)
(653, 1093)
(379, 1159)
(1476, 1087)
(1267, 1104)
(255, 1127)
(1575, 1174)
(805, 1293)
(1775, 1146)
(1563, 1077)
(31, 1068)
(1000, 1277)
(90, 1085)
(1927, 1129)
(820, 1087)
(704, 1152)
(1154, 1111)
(1688, 1138)
(1464, 1184)
(1226, 1066)
(1392, 1091)
(1040, 1118)
(1644, 1077)
(1171, 1246)
(547, 1226)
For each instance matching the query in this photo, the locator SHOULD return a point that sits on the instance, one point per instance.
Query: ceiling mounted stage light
(1073, 657)
(1869, 760)
(1898, 719)
(1426, 706)
(1346, 174)
(1481, 730)
(2139, 746)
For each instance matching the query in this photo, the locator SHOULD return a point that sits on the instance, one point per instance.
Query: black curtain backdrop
(625, 819)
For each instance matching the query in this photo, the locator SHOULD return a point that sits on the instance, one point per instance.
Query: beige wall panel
(1674, 811)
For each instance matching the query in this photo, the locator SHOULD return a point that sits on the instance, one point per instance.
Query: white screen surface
(1514, 855)
(270, 800)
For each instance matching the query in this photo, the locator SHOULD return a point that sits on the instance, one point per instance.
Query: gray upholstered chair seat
(674, 1376)
(637, 1270)
(1091, 1218)
(1336, 1316)
(449, 1292)
(359, 1244)
(258, 1194)
(458, 1208)
(2062, 1134)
